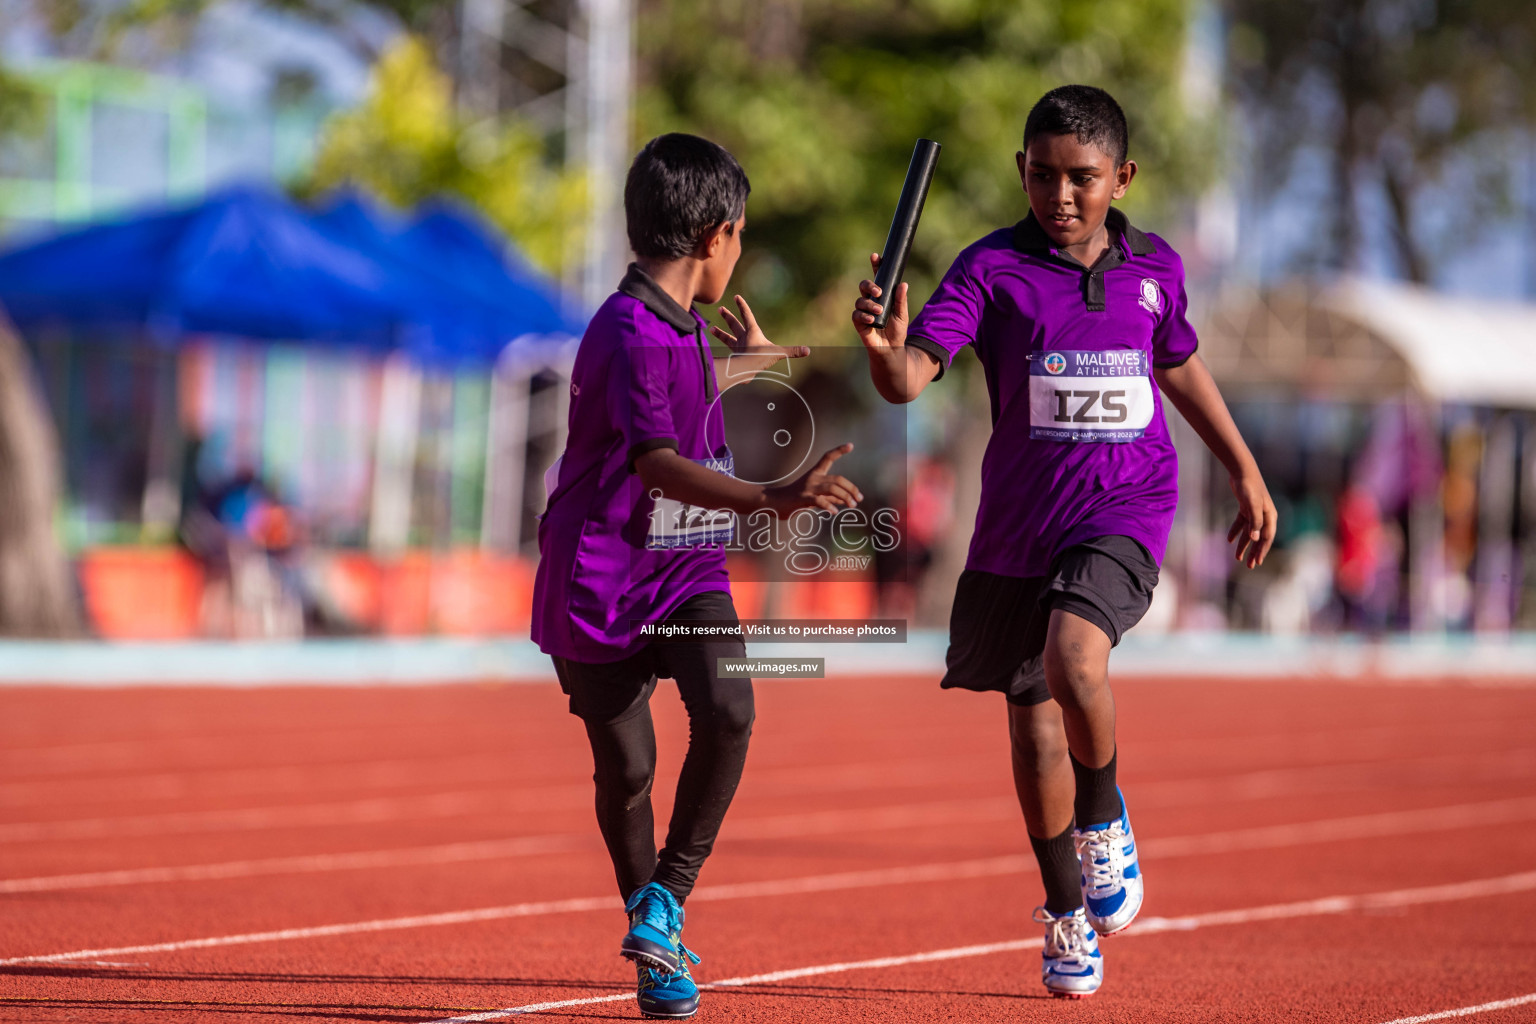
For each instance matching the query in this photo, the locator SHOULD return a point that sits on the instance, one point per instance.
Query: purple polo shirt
(1079, 446)
(643, 379)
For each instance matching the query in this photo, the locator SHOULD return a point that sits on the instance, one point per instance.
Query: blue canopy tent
(449, 251)
(249, 264)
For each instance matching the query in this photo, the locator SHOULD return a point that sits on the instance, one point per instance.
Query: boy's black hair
(1088, 114)
(678, 188)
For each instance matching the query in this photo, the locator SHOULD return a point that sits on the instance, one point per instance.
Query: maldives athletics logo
(1151, 296)
(1055, 363)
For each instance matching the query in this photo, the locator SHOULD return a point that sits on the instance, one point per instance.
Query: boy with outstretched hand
(624, 544)
(1073, 314)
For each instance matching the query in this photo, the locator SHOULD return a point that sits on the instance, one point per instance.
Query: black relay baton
(893, 258)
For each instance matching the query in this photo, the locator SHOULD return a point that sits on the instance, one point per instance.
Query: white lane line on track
(945, 871)
(202, 751)
(1522, 882)
(1364, 826)
(780, 887)
(820, 823)
(958, 953)
(1467, 1011)
(351, 812)
(489, 768)
(447, 853)
(350, 928)
(1503, 766)
(1435, 819)
(949, 812)
(504, 794)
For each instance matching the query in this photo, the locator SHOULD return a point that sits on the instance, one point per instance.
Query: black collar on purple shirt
(1030, 237)
(637, 284)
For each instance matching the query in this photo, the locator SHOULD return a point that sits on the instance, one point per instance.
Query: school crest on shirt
(1151, 296)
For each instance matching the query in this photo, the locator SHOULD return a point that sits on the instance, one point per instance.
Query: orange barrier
(830, 598)
(747, 594)
(405, 594)
(155, 593)
(145, 593)
(142, 593)
(354, 587)
(475, 594)
(457, 593)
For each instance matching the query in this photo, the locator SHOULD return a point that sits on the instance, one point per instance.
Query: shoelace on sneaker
(1103, 856)
(1064, 938)
(666, 916)
(655, 912)
(675, 928)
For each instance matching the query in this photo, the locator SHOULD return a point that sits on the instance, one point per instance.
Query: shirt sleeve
(951, 319)
(1174, 339)
(638, 390)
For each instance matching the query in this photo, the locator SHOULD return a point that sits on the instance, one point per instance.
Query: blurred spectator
(1464, 456)
(1293, 603)
(1361, 549)
(929, 514)
(247, 540)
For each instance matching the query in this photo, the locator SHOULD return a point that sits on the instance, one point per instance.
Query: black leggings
(614, 702)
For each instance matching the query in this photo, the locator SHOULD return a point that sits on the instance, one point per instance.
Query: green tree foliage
(406, 143)
(21, 106)
(1403, 96)
(822, 104)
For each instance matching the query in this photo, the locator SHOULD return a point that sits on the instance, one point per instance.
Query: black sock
(1098, 800)
(1060, 871)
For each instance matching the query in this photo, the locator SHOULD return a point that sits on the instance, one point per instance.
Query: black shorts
(610, 692)
(998, 624)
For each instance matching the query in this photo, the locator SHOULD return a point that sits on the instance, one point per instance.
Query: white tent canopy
(1373, 339)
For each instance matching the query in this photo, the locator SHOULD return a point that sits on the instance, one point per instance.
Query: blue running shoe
(667, 994)
(655, 937)
(1070, 964)
(1111, 876)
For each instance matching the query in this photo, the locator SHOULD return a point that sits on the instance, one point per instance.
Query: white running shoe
(1070, 964)
(1111, 875)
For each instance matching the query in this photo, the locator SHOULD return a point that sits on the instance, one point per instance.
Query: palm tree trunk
(37, 591)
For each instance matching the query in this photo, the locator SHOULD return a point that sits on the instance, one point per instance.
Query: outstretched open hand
(746, 338)
(819, 487)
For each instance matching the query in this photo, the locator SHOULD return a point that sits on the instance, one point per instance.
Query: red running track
(1315, 851)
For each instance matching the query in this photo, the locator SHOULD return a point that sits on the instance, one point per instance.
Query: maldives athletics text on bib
(1090, 396)
(675, 524)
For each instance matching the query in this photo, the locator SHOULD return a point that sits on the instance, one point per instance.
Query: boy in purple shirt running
(627, 539)
(1073, 314)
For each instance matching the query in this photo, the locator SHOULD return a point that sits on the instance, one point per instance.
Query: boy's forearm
(685, 480)
(900, 374)
(1194, 393)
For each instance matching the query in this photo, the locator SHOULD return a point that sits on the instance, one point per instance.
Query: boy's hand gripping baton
(893, 258)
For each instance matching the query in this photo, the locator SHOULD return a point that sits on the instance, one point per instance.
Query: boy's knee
(733, 720)
(1075, 672)
(1072, 661)
(1077, 665)
(1039, 739)
(627, 782)
(724, 713)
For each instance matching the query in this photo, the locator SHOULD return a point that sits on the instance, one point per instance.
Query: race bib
(1090, 396)
(675, 524)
